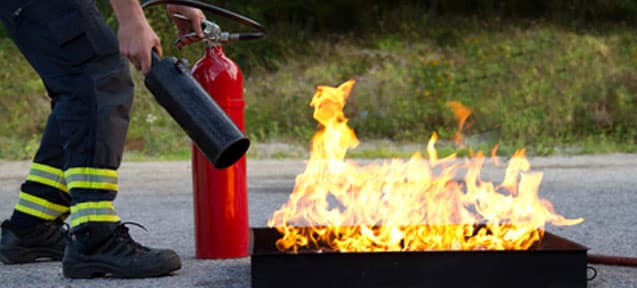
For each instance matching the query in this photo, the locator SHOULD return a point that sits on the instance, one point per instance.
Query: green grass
(531, 84)
(539, 86)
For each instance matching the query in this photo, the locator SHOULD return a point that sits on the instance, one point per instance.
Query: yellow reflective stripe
(43, 202)
(91, 178)
(91, 205)
(49, 169)
(39, 207)
(48, 182)
(102, 211)
(33, 212)
(92, 185)
(47, 175)
(90, 171)
(94, 218)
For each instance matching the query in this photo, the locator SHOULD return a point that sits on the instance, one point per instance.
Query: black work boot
(44, 241)
(118, 255)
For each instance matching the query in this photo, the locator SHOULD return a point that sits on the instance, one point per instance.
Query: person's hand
(136, 37)
(189, 31)
(136, 41)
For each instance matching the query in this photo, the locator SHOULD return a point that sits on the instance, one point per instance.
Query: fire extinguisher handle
(154, 57)
(178, 16)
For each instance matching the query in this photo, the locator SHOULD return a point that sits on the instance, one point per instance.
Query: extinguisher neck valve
(213, 35)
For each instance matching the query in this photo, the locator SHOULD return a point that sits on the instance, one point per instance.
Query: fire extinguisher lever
(213, 33)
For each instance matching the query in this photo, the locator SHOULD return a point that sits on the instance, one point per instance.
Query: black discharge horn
(194, 110)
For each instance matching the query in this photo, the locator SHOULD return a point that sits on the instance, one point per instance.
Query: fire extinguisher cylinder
(221, 196)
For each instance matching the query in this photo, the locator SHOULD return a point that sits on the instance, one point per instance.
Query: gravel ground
(601, 188)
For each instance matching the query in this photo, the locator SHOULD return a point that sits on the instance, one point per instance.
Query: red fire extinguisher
(220, 195)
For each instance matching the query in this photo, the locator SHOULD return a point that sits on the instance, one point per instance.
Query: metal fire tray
(553, 262)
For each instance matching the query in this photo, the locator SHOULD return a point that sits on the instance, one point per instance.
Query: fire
(460, 114)
(405, 205)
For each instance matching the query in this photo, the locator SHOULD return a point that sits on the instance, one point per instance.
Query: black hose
(212, 9)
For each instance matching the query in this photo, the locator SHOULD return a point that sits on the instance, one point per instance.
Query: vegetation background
(556, 76)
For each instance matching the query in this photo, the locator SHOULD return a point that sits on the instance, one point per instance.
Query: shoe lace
(67, 229)
(121, 232)
(60, 230)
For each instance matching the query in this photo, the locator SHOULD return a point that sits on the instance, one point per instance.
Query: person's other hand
(187, 28)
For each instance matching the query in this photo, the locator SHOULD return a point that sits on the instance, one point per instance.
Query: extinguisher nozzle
(232, 153)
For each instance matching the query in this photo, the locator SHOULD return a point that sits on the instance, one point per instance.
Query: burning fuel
(406, 205)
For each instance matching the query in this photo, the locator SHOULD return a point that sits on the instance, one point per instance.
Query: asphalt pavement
(601, 188)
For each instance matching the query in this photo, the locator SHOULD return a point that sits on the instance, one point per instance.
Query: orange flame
(494, 155)
(460, 114)
(411, 205)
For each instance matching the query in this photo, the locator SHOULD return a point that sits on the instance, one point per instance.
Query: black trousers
(76, 55)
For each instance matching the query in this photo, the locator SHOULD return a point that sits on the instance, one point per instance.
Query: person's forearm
(127, 11)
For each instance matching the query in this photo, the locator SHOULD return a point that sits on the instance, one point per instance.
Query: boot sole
(19, 255)
(86, 269)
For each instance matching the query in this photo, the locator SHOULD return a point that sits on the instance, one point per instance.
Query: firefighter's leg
(35, 230)
(94, 120)
(44, 195)
(94, 136)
